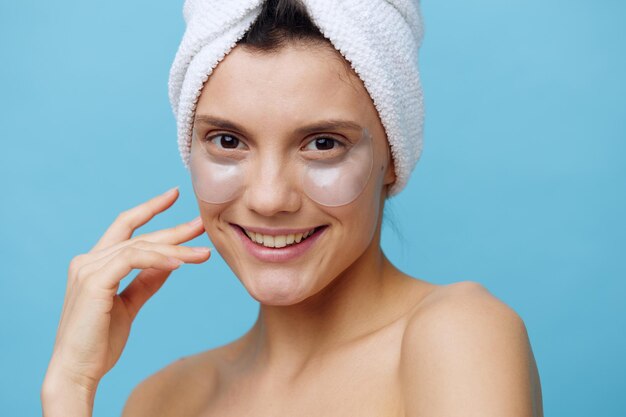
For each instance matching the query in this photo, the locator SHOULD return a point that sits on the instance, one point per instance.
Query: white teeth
(268, 241)
(279, 241)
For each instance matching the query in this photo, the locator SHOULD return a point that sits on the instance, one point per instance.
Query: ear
(390, 174)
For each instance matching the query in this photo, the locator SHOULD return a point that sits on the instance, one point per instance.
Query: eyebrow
(329, 124)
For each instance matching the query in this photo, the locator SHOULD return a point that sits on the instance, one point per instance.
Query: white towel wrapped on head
(379, 38)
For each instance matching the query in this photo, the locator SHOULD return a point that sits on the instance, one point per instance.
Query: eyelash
(336, 141)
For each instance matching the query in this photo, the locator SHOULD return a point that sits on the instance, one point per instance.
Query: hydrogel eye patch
(337, 182)
(331, 178)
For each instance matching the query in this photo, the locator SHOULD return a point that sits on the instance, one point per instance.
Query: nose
(272, 187)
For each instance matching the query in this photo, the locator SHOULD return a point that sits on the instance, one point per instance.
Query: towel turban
(379, 38)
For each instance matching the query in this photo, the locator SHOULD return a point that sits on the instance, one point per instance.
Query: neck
(352, 305)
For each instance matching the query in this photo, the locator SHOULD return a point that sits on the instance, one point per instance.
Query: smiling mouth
(279, 241)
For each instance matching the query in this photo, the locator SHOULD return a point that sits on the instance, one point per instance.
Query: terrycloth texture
(380, 39)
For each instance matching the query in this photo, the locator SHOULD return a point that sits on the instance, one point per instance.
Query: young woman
(291, 167)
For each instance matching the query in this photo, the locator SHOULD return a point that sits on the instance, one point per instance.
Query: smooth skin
(341, 331)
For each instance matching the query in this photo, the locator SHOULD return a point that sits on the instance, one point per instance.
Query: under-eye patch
(330, 177)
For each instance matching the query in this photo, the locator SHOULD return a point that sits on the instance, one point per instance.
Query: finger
(174, 235)
(144, 286)
(166, 257)
(117, 265)
(184, 253)
(150, 280)
(126, 222)
(178, 234)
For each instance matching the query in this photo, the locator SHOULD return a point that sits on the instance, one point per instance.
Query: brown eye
(225, 141)
(324, 143)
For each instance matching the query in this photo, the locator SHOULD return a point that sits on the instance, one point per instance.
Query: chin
(276, 287)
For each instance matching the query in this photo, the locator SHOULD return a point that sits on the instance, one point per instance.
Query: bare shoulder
(183, 387)
(455, 299)
(465, 352)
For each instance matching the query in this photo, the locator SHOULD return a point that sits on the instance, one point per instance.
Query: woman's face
(268, 97)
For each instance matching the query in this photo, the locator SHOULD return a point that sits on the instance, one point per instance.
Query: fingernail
(171, 191)
(201, 249)
(196, 222)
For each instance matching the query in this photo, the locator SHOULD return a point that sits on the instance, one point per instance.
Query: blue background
(521, 185)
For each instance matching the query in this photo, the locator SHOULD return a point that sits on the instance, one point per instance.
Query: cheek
(369, 211)
(360, 219)
(214, 228)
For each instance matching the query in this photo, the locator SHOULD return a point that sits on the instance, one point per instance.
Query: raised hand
(95, 320)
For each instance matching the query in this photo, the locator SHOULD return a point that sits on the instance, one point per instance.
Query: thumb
(145, 284)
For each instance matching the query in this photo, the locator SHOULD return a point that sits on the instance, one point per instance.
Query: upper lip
(276, 232)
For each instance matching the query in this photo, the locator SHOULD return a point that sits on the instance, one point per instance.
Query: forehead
(296, 83)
